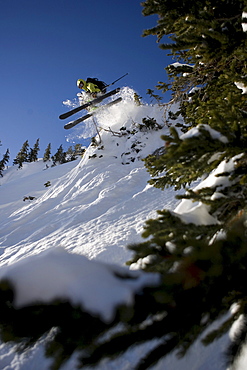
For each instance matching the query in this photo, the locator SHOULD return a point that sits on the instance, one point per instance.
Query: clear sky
(46, 45)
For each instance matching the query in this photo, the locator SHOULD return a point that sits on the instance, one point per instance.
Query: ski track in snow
(83, 213)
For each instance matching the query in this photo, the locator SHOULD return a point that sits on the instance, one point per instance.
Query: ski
(81, 119)
(88, 104)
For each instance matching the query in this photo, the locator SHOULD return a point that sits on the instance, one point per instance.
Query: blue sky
(47, 45)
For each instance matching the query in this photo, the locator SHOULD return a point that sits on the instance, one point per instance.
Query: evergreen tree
(79, 150)
(22, 156)
(47, 154)
(209, 83)
(210, 46)
(70, 154)
(59, 156)
(33, 154)
(4, 161)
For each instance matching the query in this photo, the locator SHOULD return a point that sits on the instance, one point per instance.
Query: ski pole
(117, 80)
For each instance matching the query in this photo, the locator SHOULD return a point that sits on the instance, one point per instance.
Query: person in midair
(92, 86)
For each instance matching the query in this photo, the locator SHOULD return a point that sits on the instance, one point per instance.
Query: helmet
(79, 82)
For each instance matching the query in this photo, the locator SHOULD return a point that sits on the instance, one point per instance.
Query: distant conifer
(22, 156)
(4, 161)
(47, 154)
(70, 154)
(33, 154)
(59, 156)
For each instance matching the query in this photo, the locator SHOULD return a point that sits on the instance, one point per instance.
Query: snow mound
(57, 274)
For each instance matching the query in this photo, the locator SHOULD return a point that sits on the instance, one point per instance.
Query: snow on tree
(200, 240)
(72, 153)
(79, 302)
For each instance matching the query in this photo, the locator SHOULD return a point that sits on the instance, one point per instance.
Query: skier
(92, 86)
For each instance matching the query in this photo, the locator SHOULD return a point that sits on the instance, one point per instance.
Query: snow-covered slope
(94, 207)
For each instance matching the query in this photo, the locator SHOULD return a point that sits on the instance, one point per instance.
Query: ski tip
(69, 125)
(63, 116)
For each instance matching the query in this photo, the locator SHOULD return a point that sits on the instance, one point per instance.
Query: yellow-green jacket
(87, 86)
